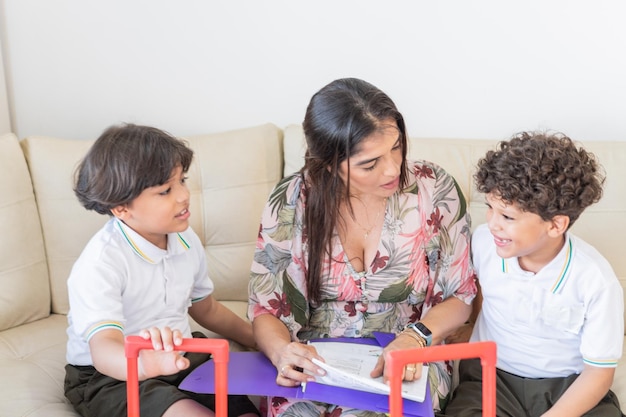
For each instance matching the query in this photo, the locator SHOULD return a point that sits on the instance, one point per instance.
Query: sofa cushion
(32, 359)
(25, 295)
(230, 180)
(66, 225)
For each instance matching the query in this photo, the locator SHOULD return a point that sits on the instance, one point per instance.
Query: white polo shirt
(124, 282)
(551, 323)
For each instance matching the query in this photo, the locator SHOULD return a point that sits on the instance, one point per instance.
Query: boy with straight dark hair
(141, 274)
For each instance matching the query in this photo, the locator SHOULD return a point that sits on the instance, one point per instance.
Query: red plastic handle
(486, 351)
(217, 347)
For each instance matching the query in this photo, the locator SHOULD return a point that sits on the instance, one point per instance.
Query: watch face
(423, 329)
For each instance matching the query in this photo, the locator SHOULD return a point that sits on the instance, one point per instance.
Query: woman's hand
(291, 359)
(163, 360)
(294, 365)
(411, 372)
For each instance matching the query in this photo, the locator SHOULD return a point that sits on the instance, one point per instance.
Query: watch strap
(426, 334)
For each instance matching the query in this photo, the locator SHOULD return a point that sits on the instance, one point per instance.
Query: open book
(349, 365)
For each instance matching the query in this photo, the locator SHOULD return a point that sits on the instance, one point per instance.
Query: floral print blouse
(423, 258)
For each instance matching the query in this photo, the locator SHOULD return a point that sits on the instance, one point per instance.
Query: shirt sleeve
(94, 290)
(277, 274)
(447, 225)
(603, 329)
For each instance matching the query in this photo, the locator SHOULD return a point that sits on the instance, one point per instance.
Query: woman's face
(375, 168)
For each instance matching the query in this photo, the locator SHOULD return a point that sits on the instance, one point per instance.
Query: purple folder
(251, 373)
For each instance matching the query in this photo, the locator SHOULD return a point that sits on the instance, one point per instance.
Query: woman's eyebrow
(367, 161)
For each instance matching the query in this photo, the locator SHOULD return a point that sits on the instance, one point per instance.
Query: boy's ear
(560, 224)
(121, 211)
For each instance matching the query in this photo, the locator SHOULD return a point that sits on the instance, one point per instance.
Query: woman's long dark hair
(338, 118)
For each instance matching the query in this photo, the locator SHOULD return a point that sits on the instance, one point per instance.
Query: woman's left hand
(411, 372)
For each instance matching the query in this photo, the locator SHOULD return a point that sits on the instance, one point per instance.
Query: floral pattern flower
(379, 262)
(280, 305)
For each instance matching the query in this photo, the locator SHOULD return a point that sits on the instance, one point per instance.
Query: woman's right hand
(291, 359)
(294, 365)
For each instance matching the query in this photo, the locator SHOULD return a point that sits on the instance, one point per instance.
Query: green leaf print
(284, 228)
(384, 321)
(299, 305)
(411, 189)
(445, 195)
(462, 202)
(395, 292)
(278, 198)
(260, 284)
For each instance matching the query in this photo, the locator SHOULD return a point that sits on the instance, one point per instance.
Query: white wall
(458, 68)
(5, 119)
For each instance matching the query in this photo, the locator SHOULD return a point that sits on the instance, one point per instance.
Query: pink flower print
(335, 413)
(435, 220)
(417, 313)
(422, 171)
(379, 262)
(278, 401)
(280, 305)
(431, 299)
(435, 299)
(350, 308)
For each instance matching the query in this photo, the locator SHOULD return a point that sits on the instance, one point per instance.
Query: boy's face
(534, 241)
(159, 210)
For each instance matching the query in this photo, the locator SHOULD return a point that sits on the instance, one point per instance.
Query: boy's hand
(163, 360)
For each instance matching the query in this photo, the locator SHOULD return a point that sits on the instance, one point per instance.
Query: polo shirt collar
(147, 251)
(558, 267)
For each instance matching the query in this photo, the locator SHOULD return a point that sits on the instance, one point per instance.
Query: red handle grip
(217, 347)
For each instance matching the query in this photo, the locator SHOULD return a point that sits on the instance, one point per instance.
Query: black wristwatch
(423, 331)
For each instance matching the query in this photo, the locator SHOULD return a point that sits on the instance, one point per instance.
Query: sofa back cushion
(66, 225)
(25, 295)
(601, 225)
(229, 180)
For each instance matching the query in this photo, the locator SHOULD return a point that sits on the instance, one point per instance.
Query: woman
(359, 240)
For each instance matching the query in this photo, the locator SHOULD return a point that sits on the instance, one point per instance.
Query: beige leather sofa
(43, 229)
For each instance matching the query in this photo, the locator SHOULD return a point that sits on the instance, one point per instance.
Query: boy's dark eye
(166, 192)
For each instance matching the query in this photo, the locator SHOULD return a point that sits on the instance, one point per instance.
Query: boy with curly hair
(550, 301)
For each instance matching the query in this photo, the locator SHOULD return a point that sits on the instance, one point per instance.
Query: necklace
(368, 230)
